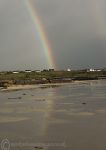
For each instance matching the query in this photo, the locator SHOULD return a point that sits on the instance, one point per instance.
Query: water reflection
(70, 113)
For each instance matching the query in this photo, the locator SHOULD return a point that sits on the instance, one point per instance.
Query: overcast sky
(75, 29)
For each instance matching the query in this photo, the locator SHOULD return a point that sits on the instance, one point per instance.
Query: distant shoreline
(27, 80)
(29, 86)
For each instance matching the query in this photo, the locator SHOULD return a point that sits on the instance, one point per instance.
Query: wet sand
(67, 117)
(23, 87)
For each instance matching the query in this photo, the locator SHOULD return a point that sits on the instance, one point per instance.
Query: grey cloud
(72, 30)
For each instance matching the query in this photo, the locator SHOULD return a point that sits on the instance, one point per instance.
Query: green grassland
(51, 75)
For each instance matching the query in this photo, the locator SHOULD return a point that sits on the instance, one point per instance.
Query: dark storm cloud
(73, 27)
(74, 32)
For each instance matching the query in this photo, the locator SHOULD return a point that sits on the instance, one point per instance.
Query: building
(28, 71)
(92, 70)
(15, 72)
(68, 69)
(37, 71)
(51, 70)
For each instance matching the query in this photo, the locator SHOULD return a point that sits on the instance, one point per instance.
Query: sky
(75, 30)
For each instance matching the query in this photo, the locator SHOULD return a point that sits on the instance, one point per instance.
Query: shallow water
(69, 117)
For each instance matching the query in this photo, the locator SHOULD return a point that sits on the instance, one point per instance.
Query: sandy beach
(22, 87)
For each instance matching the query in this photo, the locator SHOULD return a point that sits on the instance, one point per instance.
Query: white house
(38, 71)
(28, 71)
(98, 70)
(91, 70)
(68, 69)
(15, 72)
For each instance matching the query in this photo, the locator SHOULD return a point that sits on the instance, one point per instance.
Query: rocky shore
(31, 79)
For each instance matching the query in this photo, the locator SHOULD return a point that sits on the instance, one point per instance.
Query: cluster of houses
(93, 70)
(88, 70)
(29, 71)
(51, 70)
(26, 71)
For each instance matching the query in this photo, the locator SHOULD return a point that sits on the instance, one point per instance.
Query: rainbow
(41, 34)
